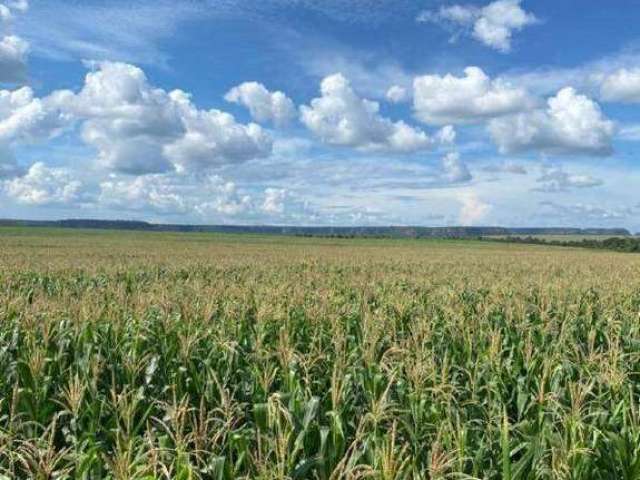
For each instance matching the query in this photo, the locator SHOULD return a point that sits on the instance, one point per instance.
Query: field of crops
(186, 356)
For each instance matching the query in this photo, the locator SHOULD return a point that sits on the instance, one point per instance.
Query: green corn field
(200, 356)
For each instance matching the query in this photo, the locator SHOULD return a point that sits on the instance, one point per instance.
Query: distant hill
(346, 232)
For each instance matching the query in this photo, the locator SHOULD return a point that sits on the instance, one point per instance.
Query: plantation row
(324, 361)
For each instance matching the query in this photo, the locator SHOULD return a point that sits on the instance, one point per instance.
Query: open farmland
(183, 356)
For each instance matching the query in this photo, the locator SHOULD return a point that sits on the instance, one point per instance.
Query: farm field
(184, 356)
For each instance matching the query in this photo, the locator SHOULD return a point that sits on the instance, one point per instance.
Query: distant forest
(337, 232)
(619, 244)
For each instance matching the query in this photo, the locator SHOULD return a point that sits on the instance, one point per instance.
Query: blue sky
(333, 112)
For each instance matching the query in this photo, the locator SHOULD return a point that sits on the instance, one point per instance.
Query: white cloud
(571, 124)
(472, 98)
(372, 75)
(493, 25)
(506, 167)
(154, 192)
(630, 133)
(446, 135)
(264, 106)
(274, 199)
(13, 59)
(13, 49)
(291, 146)
(8, 8)
(397, 94)
(43, 185)
(454, 169)
(579, 212)
(25, 118)
(137, 128)
(623, 85)
(5, 14)
(208, 196)
(126, 120)
(472, 209)
(213, 138)
(19, 5)
(498, 20)
(587, 77)
(555, 179)
(227, 201)
(341, 117)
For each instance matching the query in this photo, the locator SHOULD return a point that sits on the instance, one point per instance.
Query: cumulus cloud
(208, 196)
(13, 59)
(493, 25)
(454, 169)
(554, 179)
(397, 94)
(472, 208)
(274, 199)
(571, 124)
(623, 85)
(468, 99)
(227, 201)
(263, 105)
(42, 185)
(137, 128)
(153, 192)
(13, 49)
(213, 138)
(282, 204)
(446, 135)
(341, 117)
(26, 118)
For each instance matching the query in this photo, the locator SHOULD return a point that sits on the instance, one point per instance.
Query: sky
(321, 112)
